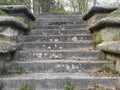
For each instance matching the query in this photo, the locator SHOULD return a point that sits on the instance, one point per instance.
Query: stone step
(57, 38)
(58, 31)
(58, 23)
(60, 13)
(55, 54)
(60, 26)
(59, 20)
(58, 66)
(61, 16)
(52, 81)
(56, 45)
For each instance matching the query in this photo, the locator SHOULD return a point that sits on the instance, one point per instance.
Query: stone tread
(55, 54)
(84, 50)
(74, 59)
(61, 35)
(58, 31)
(56, 38)
(57, 45)
(61, 61)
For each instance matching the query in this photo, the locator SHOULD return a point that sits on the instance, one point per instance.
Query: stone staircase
(57, 51)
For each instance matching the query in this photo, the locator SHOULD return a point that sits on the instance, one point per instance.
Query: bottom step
(50, 81)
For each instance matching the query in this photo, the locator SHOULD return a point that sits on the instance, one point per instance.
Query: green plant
(70, 15)
(31, 25)
(106, 67)
(26, 87)
(114, 14)
(69, 86)
(102, 55)
(20, 70)
(3, 70)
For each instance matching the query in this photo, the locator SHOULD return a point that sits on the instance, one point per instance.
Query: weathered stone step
(58, 66)
(60, 26)
(59, 20)
(60, 13)
(61, 16)
(58, 23)
(57, 38)
(58, 31)
(55, 54)
(56, 45)
(52, 81)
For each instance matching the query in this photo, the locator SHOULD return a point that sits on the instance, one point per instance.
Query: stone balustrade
(96, 13)
(12, 27)
(20, 12)
(106, 31)
(11, 31)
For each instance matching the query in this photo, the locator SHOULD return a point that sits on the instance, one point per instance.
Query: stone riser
(57, 32)
(59, 27)
(56, 38)
(61, 13)
(60, 16)
(59, 20)
(58, 23)
(56, 82)
(56, 46)
(58, 66)
(54, 54)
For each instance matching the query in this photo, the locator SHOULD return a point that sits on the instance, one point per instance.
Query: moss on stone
(97, 38)
(19, 19)
(116, 37)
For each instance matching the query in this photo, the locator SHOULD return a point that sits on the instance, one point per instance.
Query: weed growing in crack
(26, 87)
(69, 86)
(20, 69)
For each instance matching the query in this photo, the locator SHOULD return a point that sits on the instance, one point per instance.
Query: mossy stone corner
(108, 27)
(21, 12)
(96, 13)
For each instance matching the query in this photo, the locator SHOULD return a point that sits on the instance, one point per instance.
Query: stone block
(96, 18)
(108, 28)
(112, 51)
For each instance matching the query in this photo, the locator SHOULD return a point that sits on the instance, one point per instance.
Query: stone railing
(106, 31)
(20, 12)
(12, 27)
(96, 13)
